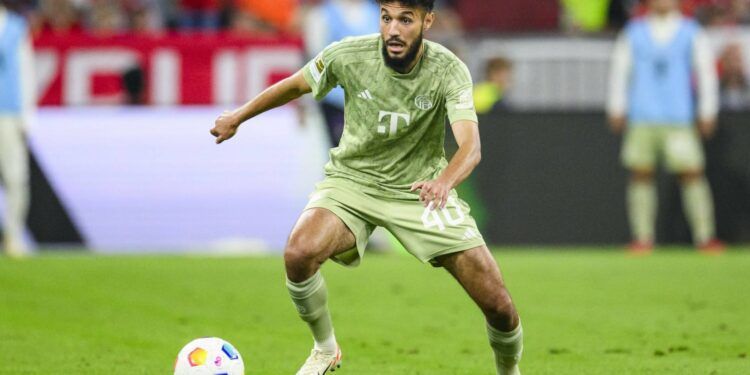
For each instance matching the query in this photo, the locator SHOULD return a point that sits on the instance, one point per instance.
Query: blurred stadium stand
(221, 52)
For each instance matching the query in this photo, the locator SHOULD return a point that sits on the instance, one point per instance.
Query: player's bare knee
(690, 176)
(301, 251)
(500, 310)
(641, 175)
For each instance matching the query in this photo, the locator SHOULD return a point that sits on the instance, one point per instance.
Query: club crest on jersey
(423, 102)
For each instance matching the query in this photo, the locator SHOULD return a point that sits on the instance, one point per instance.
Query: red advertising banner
(172, 69)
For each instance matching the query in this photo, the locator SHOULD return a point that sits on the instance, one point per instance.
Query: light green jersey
(394, 123)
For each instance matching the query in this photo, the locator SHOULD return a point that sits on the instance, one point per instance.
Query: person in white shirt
(16, 107)
(656, 60)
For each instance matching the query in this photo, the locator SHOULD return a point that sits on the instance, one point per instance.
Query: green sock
(311, 299)
(508, 347)
(699, 209)
(642, 210)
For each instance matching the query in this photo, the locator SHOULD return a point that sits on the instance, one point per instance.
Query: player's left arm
(708, 84)
(460, 167)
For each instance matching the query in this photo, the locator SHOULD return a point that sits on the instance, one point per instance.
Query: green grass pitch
(585, 311)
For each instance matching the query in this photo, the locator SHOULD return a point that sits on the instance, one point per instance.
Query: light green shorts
(680, 147)
(425, 233)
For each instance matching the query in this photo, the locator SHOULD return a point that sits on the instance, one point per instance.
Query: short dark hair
(498, 63)
(427, 5)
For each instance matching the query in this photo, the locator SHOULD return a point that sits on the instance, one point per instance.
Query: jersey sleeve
(459, 101)
(320, 73)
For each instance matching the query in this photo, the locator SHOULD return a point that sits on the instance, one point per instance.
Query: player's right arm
(317, 77)
(618, 83)
(283, 92)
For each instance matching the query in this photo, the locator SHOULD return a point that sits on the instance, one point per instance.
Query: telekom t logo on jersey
(394, 117)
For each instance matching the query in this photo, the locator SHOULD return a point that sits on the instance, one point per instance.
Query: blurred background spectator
(145, 16)
(199, 14)
(58, 17)
(489, 93)
(328, 21)
(16, 111)
(247, 23)
(663, 97)
(281, 15)
(735, 92)
(106, 17)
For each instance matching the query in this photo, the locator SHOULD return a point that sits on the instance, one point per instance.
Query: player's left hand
(433, 193)
(707, 128)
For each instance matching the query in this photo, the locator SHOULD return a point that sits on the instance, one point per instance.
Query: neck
(664, 13)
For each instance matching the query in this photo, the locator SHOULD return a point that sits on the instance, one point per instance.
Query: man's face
(501, 78)
(663, 6)
(402, 28)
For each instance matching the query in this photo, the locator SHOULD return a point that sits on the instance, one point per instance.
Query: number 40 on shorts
(431, 218)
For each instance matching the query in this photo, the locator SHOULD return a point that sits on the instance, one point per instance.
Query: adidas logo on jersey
(365, 95)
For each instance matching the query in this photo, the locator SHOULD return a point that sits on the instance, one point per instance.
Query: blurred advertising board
(151, 179)
(176, 68)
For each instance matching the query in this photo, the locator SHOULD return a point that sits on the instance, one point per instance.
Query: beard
(400, 64)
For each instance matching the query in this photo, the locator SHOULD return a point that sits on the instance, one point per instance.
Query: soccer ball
(209, 356)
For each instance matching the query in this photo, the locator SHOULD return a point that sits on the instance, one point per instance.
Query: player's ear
(429, 18)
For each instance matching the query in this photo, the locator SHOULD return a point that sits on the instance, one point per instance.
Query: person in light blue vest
(664, 95)
(16, 106)
(330, 21)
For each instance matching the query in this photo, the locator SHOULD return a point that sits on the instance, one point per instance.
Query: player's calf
(478, 273)
(504, 331)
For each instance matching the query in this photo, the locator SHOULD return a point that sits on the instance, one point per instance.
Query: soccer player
(390, 170)
(651, 91)
(16, 106)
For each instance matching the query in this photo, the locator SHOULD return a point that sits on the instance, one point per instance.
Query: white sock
(310, 297)
(641, 199)
(508, 348)
(699, 208)
(328, 345)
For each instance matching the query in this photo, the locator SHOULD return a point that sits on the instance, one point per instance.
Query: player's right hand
(433, 194)
(225, 126)
(707, 128)
(617, 123)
